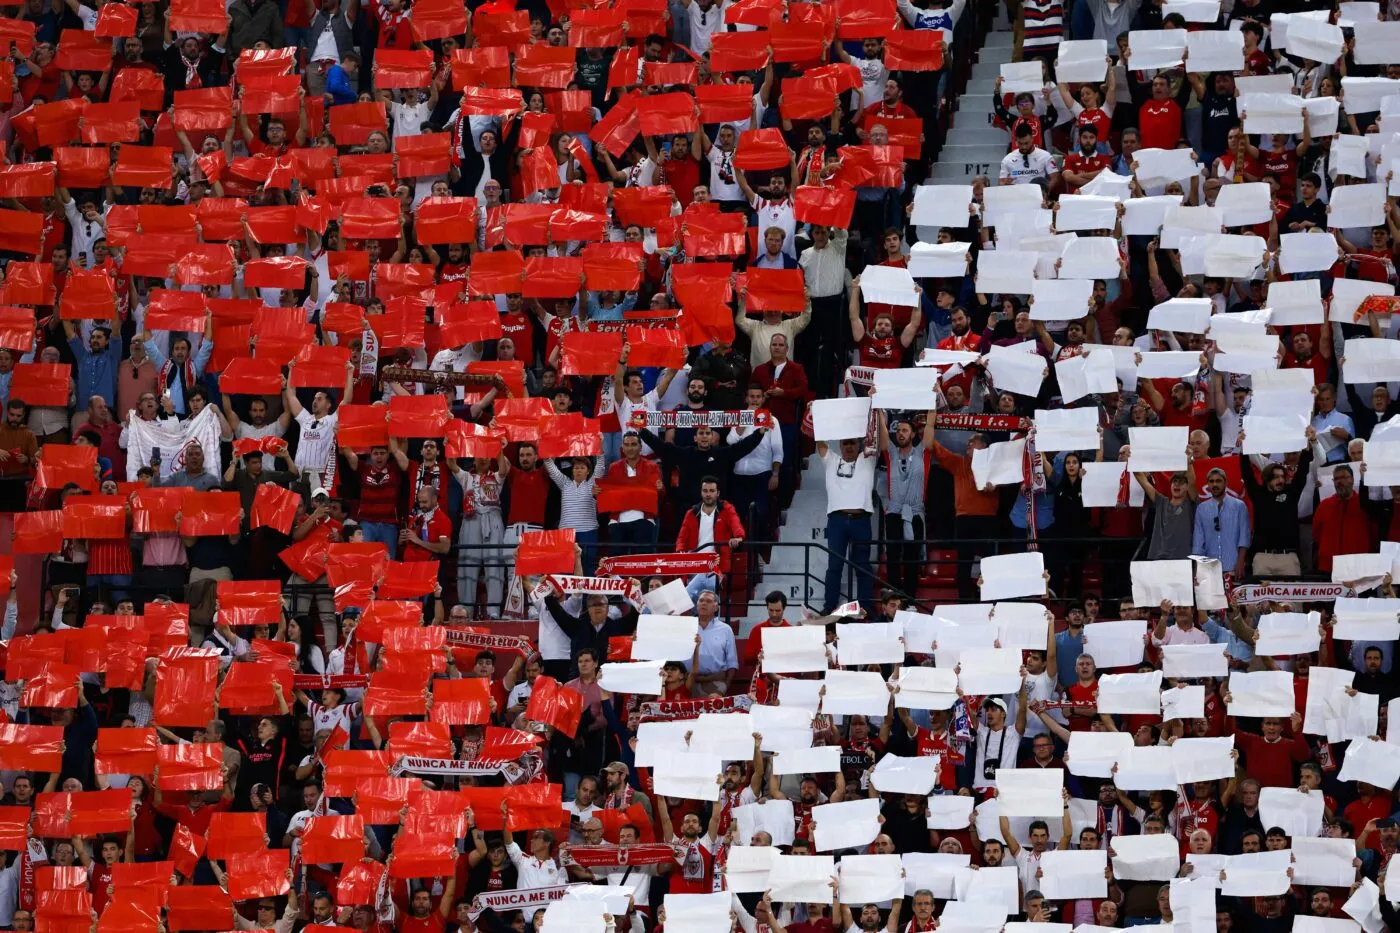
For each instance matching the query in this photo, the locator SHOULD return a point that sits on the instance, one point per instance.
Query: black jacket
(581, 632)
(694, 463)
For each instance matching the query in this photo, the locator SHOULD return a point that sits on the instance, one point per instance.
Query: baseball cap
(320, 491)
(995, 701)
(617, 766)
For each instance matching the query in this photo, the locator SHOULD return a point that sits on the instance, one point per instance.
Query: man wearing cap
(998, 742)
(1221, 529)
(619, 795)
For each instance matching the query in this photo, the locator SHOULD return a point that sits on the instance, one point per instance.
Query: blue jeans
(588, 541)
(115, 585)
(848, 538)
(383, 532)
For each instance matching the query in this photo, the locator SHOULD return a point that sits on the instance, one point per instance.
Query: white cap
(320, 491)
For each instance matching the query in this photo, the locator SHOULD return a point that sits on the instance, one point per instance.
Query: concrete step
(972, 153)
(986, 71)
(998, 55)
(972, 133)
(970, 104)
(963, 172)
(981, 87)
(1000, 40)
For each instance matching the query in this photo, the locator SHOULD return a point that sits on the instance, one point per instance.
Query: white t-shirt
(848, 485)
(409, 118)
(873, 75)
(704, 23)
(271, 429)
(1024, 169)
(1004, 746)
(317, 441)
(723, 184)
(650, 402)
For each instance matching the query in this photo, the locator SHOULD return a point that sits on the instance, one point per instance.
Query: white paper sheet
(669, 599)
(573, 917)
(1195, 661)
(1299, 814)
(949, 811)
(1000, 464)
(665, 638)
(1349, 568)
(1158, 580)
(1093, 754)
(1356, 205)
(942, 206)
(688, 775)
(1130, 694)
(1073, 873)
(1271, 113)
(925, 688)
(1091, 257)
(1298, 302)
(1261, 693)
(656, 740)
(1382, 463)
(1187, 220)
(1061, 299)
(908, 389)
(932, 356)
(990, 671)
(1326, 862)
(1085, 374)
(748, 867)
(855, 692)
(1314, 251)
(987, 889)
(1360, 12)
(938, 260)
(1109, 184)
(862, 643)
(1366, 619)
(1256, 874)
(801, 878)
(1017, 371)
(896, 775)
(823, 759)
(1031, 792)
(697, 913)
(639, 677)
(781, 727)
(1284, 634)
(1245, 203)
(1144, 216)
(1184, 702)
(1168, 364)
(1194, 11)
(774, 817)
(889, 285)
(835, 419)
(870, 879)
(1314, 39)
(1146, 858)
(1009, 576)
(1364, 906)
(1373, 762)
(1158, 448)
(1149, 767)
(1022, 626)
(1235, 256)
(1267, 435)
(1371, 359)
(1305, 924)
(1348, 157)
(1156, 48)
(1377, 44)
(795, 649)
(1022, 77)
(1117, 643)
(1184, 315)
(1079, 60)
(1216, 50)
(1205, 759)
(935, 871)
(1085, 212)
(1192, 902)
(848, 825)
(1001, 201)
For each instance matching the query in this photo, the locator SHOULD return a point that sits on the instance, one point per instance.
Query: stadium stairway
(974, 146)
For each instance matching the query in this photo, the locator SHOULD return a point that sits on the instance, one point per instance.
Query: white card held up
(1194, 11)
(987, 888)
(860, 643)
(1382, 463)
(1195, 661)
(1271, 113)
(1235, 256)
(1371, 359)
(1145, 216)
(990, 671)
(945, 359)
(871, 879)
(1073, 874)
(670, 599)
(1149, 767)
(896, 775)
(835, 419)
(1348, 157)
(1306, 924)
(1091, 257)
(1297, 813)
(1256, 874)
(911, 389)
(1216, 50)
(697, 913)
(938, 260)
(1010, 576)
(935, 871)
(774, 817)
(796, 649)
(1117, 643)
(1184, 702)
(1298, 302)
(781, 726)
(942, 206)
(1079, 60)
(688, 775)
(1022, 77)
(1157, 449)
(655, 740)
(1001, 201)
(1156, 48)
(665, 638)
(1110, 185)
(801, 878)
(1102, 484)
(1361, 619)
(1032, 792)
(1323, 684)
(926, 688)
(999, 464)
(1313, 251)
(1183, 315)
(1093, 754)
(1085, 212)
(642, 678)
(1158, 580)
(1022, 626)
(1325, 862)
(1364, 906)
(1169, 364)
(1207, 759)
(889, 285)
(1006, 272)
(1085, 374)
(1353, 568)
(1357, 205)
(849, 693)
(1261, 693)
(1146, 858)
(1244, 204)
(1358, 13)
(1017, 371)
(849, 825)
(1265, 435)
(1374, 762)
(823, 759)
(746, 871)
(1060, 299)
(1184, 221)
(1378, 44)
(1130, 694)
(1285, 634)
(573, 917)
(949, 811)
(1314, 39)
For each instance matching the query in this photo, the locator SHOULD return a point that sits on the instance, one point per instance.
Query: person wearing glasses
(850, 485)
(1027, 163)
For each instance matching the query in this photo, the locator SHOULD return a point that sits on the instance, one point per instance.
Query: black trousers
(967, 530)
(904, 556)
(820, 347)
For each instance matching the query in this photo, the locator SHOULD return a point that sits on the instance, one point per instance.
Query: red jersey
(98, 881)
(518, 327)
(1085, 694)
(1098, 118)
(880, 353)
(528, 492)
(395, 31)
(1317, 363)
(433, 923)
(1085, 165)
(1284, 167)
(432, 526)
(380, 491)
(452, 272)
(1159, 124)
(1257, 63)
(926, 744)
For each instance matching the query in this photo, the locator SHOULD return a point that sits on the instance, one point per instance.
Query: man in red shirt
(421, 918)
(527, 486)
(516, 325)
(1084, 164)
(1176, 408)
(1340, 524)
(776, 604)
(682, 168)
(381, 488)
(1305, 356)
(880, 348)
(1269, 758)
(1159, 119)
(695, 866)
(429, 532)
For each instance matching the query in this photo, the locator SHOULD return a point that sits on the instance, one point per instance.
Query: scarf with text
(680, 418)
(609, 856)
(660, 565)
(663, 710)
(560, 584)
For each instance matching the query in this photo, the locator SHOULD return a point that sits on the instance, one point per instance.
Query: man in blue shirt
(1222, 528)
(1332, 426)
(97, 361)
(1069, 645)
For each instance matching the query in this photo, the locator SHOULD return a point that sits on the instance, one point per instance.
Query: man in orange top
(975, 510)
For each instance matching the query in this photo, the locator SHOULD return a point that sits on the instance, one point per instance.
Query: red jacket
(647, 472)
(1340, 526)
(727, 525)
(793, 382)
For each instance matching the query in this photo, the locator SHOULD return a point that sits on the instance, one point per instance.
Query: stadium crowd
(404, 399)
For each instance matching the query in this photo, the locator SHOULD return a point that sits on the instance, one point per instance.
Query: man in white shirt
(538, 869)
(1028, 860)
(582, 807)
(706, 19)
(316, 445)
(775, 210)
(1027, 163)
(724, 184)
(630, 395)
(850, 485)
(998, 743)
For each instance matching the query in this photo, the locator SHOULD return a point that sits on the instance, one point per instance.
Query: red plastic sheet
(775, 290)
(762, 149)
(29, 180)
(403, 68)
(249, 602)
(590, 354)
(210, 513)
(667, 114)
(191, 767)
(333, 839)
(543, 552)
(82, 166)
(185, 685)
(464, 702)
(914, 50)
(424, 154)
(126, 751)
(147, 88)
(831, 207)
(570, 435)
(197, 907)
(555, 705)
(533, 806)
(543, 66)
(204, 110)
(95, 518)
(20, 231)
(30, 748)
(711, 233)
(38, 532)
(484, 67)
(52, 686)
(739, 51)
(418, 415)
